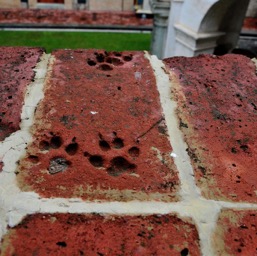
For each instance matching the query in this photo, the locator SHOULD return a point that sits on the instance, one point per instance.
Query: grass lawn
(75, 40)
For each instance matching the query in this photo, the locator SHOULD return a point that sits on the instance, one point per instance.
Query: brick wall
(43, 17)
(123, 154)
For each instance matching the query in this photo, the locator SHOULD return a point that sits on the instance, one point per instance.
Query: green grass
(75, 40)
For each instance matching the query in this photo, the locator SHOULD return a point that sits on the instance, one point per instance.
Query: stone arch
(214, 16)
(204, 24)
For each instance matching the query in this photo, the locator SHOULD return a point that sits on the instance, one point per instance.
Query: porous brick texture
(16, 74)
(65, 234)
(236, 233)
(119, 153)
(217, 107)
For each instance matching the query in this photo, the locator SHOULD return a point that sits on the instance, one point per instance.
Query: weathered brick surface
(217, 107)
(236, 233)
(99, 132)
(69, 17)
(16, 65)
(72, 234)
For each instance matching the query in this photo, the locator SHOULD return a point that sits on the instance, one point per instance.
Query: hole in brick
(33, 159)
(127, 58)
(96, 161)
(119, 88)
(44, 145)
(134, 152)
(104, 145)
(118, 143)
(184, 252)
(114, 61)
(9, 97)
(117, 54)
(100, 57)
(56, 142)
(233, 150)
(72, 148)
(61, 244)
(105, 67)
(244, 147)
(162, 128)
(58, 164)
(234, 165)
(91, 63)
(81, 253)
(86, 154)
(119, 165)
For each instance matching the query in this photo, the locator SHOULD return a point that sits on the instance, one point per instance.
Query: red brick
(99, 132)
(72, 234)
(217, 107)
(64, 17)
(236, 233)
(250, 23)
(16, 65)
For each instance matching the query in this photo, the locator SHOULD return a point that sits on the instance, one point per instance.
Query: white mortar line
(14, 146)
(189, 190)
(203, 212)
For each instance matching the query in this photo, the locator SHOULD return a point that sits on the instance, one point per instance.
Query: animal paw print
(57, 163)
(107, 60)
(118, 164)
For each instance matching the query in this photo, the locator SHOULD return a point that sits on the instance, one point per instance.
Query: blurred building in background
(181, 27)
(94, 5)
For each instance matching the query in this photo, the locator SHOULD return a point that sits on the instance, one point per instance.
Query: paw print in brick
(56, 163)
(112, 157)
(108, 60)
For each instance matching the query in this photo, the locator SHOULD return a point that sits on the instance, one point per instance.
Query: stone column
(146, 5)
(69, 4)
(32, 4)
(160, 9)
